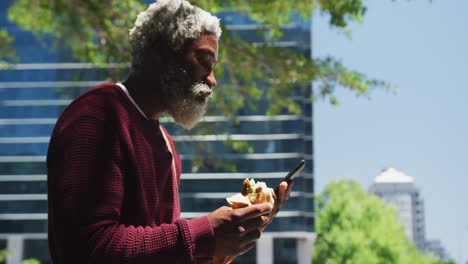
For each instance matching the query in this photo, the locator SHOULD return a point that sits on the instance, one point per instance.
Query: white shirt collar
(131, 99)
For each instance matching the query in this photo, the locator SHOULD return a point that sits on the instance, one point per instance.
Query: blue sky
(422, 130)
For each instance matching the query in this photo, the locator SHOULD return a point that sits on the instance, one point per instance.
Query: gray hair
(172, 21)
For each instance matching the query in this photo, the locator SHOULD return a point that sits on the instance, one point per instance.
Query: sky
(422, 130)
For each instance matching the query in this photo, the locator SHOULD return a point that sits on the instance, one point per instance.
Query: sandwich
(252, 193)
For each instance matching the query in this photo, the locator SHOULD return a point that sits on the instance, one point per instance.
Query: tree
(353, 226)
(97, 31)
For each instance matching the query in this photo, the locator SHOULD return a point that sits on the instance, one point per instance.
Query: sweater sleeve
(88, 194)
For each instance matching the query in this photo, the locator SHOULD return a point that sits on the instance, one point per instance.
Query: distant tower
(397, 188)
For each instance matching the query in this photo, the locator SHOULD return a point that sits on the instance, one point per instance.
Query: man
(113, 171)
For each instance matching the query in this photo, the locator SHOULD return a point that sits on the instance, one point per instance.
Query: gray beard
(182, 95)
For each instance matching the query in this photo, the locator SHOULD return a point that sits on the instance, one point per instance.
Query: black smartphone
(294, 172)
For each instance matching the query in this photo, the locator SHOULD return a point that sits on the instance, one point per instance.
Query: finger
(256, 210)
(283, 185)
(265, 221)
(282, 189)
(226, 208)
(254, 223)
(279, 187)
(250, 237)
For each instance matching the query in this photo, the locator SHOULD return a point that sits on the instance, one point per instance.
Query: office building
(397, 188)
(35, 92)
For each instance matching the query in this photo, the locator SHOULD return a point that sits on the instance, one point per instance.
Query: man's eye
(205, 61)
(207, 65)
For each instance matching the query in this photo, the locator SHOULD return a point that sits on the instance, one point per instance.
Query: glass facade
(33, 95)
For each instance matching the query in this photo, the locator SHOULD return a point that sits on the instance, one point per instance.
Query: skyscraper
(397, 188)
(35, 92)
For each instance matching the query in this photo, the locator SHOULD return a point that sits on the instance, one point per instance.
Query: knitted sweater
(112, 196)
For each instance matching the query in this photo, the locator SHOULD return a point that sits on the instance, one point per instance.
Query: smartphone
(294, 172)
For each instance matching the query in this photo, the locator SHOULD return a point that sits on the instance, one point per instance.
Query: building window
(285, 251)
(23, 207)
(23, 187)
(23, 226)
(12, 168)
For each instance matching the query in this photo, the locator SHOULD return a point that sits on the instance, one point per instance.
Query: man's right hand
(237, 230)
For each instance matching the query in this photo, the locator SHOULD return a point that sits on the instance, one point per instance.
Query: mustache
(201, 90)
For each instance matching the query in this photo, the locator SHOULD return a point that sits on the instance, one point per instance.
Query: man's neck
(146, 95)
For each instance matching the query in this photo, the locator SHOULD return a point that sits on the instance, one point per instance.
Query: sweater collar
(131, 99)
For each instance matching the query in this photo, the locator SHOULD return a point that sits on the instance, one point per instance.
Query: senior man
(113, 170)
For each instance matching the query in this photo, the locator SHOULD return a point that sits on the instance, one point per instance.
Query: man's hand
(281, 195)
(237, 230)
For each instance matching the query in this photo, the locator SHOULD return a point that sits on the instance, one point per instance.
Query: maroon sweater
(112, 196)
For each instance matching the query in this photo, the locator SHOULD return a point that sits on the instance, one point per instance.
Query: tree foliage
(97, 31)
(356, 227)
(7, 53)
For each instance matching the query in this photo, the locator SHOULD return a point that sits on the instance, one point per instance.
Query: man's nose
(211, 80)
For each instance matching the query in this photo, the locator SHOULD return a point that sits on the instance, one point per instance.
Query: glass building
(398, 189)
(35, 92)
